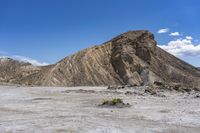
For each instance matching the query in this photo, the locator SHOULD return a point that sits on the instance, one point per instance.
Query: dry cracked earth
(76, 110)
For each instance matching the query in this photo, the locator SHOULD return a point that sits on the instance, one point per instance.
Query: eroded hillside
(132, 58)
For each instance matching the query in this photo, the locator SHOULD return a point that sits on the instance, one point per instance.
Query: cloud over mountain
(30, 60)
(23, 59)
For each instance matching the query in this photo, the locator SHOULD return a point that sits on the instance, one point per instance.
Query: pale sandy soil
(71, 110)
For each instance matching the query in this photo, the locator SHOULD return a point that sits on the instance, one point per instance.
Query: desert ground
(77, 110)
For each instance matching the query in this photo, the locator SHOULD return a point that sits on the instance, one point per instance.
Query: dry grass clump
(116, 102)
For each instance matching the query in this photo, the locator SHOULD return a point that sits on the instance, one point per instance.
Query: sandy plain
(76, 110)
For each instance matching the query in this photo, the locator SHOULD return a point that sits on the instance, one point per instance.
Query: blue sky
(48, 30)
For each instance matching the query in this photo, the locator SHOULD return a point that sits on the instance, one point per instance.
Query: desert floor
(76, 110)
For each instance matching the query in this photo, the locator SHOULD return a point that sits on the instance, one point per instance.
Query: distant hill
(17, 72)
(131, 58)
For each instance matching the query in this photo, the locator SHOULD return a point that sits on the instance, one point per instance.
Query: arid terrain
(99, 66)
(148, 91)
(77, 110)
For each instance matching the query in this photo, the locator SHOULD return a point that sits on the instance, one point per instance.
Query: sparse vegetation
(112, 102)
(116, 102)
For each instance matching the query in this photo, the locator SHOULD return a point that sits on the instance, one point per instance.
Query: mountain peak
(136, 34)
(131, 58)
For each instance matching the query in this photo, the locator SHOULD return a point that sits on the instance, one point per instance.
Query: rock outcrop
(132, 58)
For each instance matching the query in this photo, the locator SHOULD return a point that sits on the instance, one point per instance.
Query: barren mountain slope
(16, 72)
(12, 70)
(131, 58)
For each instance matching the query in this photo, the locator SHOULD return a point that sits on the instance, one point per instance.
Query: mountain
(17, 72)
(131, 58)
(12, 70)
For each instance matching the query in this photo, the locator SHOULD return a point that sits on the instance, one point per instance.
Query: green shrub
(113, 102)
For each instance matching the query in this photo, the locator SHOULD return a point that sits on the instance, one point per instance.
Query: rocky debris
(196, 89)
(138, 90)
(197, 95)
(129, 93)
(80, 91)
(154, 92)
(115, 87)
(92, 92)
(131, 58)
(118, 87)
(173, 87)
(157, 83)
(150, 91)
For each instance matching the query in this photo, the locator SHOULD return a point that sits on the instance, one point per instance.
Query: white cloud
(29, 60)
(189, 37)
(25, 59)
(174, 34)
(182, 47)
(3, 56)
(161, 31)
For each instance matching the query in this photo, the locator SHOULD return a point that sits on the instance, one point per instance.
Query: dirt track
(55, 110)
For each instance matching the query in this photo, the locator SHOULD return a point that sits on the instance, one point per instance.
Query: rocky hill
(132, 58)
(12, 70)
(16, 72)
